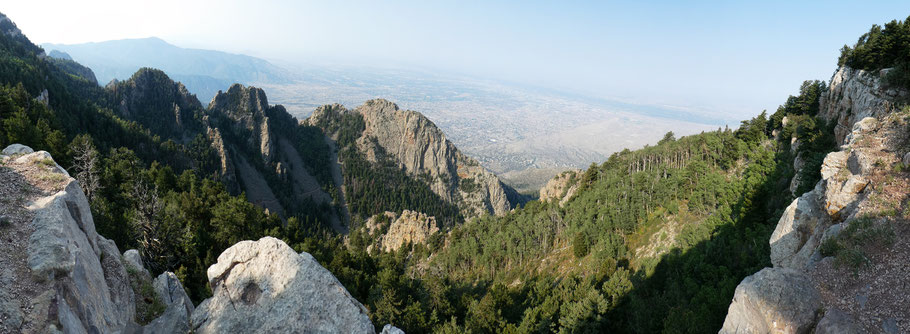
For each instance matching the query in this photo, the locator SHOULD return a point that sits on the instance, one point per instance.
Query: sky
(734, 58)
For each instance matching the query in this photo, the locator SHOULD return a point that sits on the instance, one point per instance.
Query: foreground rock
(774, 300)
(76, 282)
(265, 287)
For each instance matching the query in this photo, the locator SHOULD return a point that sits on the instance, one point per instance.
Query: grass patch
(850, 247)
(46, 162)
(52, 177)
(148, 305)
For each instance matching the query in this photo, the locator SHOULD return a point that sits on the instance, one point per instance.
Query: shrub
(580, 245)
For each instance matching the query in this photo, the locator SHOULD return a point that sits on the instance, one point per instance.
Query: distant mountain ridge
(203, 72)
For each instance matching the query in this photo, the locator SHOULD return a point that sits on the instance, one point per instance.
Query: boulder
(865, 125)
(774, 300)
(793, 240)
(17, 149)
(836, 322)
(179, 307)
(265, 287)
(906, 160)
(132, 260)
(389, 329)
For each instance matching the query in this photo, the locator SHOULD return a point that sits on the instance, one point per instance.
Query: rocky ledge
(839, 251)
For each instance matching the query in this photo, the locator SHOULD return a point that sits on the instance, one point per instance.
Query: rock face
(853, 95)
(561, 188)
(254, 145)
(794, 239)
(86, 288)
(421, 148)
(411, 227)
(248, 108)
(265, 287)
(857, 181)
(242, 121)
(774, 300)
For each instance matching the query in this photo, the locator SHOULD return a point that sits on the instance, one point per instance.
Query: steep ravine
(839, 251)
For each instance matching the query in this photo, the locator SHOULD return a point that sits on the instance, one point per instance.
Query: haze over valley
(525, 134)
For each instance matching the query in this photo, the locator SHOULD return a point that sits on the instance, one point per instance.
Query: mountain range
(524, 134)
(204, 72)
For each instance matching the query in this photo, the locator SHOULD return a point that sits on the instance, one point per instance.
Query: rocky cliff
(839, 251)
(421, 149)
(561, 188)
(254, 146)
(59, 276)
(260, 141)
(391, 231)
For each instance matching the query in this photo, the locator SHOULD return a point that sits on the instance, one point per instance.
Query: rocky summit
(419, 147)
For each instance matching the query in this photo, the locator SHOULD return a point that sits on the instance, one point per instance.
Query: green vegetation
(849, 247)
(814, 135)
(375, 187)
(148, 303)
(882, 47)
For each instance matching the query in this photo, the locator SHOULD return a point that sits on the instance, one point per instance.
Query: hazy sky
(729, 56)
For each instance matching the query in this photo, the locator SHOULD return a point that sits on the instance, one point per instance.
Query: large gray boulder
(774, 300)
(17, 149)
(265, 287)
